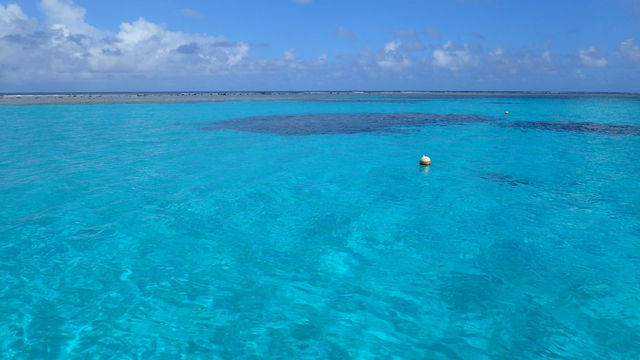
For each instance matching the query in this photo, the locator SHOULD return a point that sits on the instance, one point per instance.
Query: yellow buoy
(425, 160)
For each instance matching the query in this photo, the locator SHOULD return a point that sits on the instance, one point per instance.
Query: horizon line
(264, 92)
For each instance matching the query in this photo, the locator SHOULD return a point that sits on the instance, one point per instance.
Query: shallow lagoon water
(169, 230)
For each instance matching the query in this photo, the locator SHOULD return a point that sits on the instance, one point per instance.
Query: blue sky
(80, 45)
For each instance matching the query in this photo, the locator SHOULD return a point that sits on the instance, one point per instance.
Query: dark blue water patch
(503, 103)
(504, 179)
(390, 101)
(351, 123)
(576, 127)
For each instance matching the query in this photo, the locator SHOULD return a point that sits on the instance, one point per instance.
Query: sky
(239, 45)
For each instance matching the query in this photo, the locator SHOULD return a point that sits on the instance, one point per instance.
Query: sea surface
(301, 226)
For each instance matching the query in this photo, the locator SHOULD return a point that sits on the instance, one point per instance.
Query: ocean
(301, 226)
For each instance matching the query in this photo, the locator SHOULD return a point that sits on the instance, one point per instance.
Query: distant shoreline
(271, 92)
(176, 97)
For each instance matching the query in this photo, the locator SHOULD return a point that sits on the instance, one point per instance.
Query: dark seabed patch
(576, 127)
(503, 103)
(390, 101)
(504, 179)
(311, 124)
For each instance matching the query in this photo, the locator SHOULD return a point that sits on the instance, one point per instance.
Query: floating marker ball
(425, 160)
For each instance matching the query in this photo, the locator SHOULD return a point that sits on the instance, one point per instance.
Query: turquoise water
(214, 230)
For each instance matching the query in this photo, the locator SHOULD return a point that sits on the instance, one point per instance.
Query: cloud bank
(64, 46)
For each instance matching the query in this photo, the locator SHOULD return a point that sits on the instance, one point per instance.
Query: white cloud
(452, 57)
(191, 13)
(290, 55)
(520, 61)
(391, 46)
(592, 58)
(629, 51)
(145, 46)
(290, 62)
(131, 34)
(497, 53)
(64, 15)
(393, 59)
(14, 21)
(322, 59)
